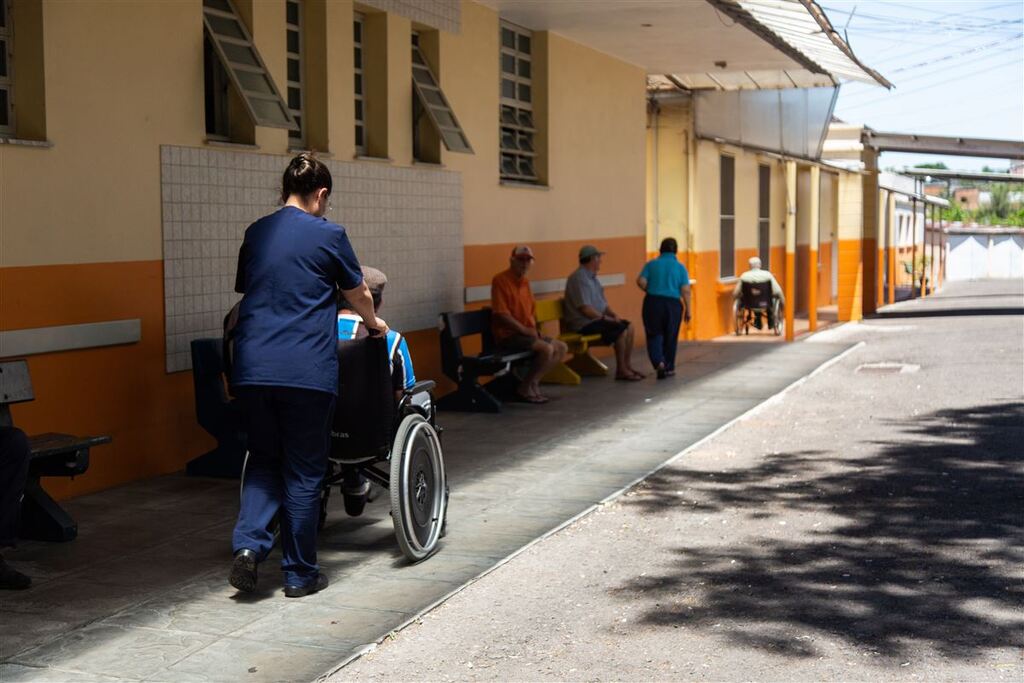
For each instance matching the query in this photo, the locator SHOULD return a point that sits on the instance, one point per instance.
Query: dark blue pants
(289, 441)
(662, 317)
(14, 457)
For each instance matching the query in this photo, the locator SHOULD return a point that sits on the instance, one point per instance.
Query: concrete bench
(53, 455)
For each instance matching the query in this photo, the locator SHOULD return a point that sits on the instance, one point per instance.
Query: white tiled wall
(445, 15)
(405, 221)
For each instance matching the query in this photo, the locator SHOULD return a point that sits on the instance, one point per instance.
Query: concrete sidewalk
(142, 594)
(868, 525)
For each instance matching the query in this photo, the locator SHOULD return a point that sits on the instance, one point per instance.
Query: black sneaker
(662, 372)
(297, 591)
(243, 571)
(12, 579)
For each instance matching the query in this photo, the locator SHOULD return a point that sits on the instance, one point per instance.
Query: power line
(1015, 61)
(941, 70)
(972, 50)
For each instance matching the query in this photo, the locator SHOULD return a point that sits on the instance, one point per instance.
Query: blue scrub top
(289, 269)
(665, 275)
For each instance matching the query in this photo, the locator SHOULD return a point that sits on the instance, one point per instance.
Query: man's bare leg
(630, 335)
(556, 351)
(530, 386)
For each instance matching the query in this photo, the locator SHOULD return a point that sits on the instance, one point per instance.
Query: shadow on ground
(918, 542)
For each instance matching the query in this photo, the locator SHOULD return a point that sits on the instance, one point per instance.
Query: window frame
(516, 117)
(7, 79)
(427, 83)
(359, 82)
(213, 13)
(764, 205)
(296, 137)
(726, 218)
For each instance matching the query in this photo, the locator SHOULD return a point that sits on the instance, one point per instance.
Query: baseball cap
(588, 251)
(522, 253)
(375, 280)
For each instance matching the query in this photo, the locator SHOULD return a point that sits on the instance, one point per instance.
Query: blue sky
(958, 68)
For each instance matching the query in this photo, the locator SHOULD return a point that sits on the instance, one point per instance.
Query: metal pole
(913, 243)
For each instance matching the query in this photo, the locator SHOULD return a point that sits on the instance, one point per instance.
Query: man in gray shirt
(587, 312)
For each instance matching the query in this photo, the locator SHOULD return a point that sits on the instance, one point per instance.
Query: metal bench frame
(465, 370)
(53, 455)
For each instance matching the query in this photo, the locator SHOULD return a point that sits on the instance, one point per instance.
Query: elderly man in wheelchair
(384, 415)
(758, 293)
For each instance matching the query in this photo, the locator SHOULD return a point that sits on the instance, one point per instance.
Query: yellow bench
(582, 362)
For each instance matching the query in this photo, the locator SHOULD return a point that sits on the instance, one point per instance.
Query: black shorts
(608, 329)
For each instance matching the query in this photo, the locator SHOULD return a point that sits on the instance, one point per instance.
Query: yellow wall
(80, 220)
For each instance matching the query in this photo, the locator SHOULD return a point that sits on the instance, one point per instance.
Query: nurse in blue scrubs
(290, 267)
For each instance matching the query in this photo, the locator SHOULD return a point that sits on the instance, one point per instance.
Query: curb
(771, 400)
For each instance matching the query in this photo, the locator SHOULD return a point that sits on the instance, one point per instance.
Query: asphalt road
(865, 525)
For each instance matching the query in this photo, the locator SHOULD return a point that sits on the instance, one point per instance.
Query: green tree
(937, 165)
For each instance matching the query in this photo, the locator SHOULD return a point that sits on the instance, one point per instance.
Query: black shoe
(662, 372)
(297, 591)
(670, 373)
(757, 322)
(12, 579)
(243, 571)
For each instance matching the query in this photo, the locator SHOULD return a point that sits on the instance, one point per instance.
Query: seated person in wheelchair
(757, 275)
(350, 326)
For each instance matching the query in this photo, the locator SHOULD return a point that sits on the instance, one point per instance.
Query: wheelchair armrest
(421, 386)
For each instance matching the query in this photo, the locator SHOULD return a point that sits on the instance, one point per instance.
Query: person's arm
(641, 279)
(687, 304)
(737, 291)
(513, 324)
(355, 291)
(777, 290)
(362, 303)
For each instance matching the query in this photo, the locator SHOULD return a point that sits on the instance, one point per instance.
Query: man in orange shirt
(514, 325)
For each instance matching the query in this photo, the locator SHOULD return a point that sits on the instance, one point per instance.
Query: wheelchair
(394, 444)
(757, 297)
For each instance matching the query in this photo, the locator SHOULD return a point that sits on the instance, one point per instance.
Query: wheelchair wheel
(354, 504)
(418, 488)
(738, 314)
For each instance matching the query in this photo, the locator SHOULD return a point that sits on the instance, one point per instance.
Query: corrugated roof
(800, 28)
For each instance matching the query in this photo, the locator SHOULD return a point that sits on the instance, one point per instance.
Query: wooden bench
(582, 362)
(217, 412)
(53, 455)
(465, 370)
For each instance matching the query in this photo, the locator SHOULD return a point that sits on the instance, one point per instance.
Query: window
(518, 155)
(229, 40)
(360, 85)
(6, 80)
(764, 199)
(727, 223)
(434, 103)
(293, 36)
(217, 92)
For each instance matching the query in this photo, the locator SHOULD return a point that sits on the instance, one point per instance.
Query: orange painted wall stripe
(851, 279)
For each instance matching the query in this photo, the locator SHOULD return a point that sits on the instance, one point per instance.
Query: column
(790, 284)
(812, 264)
(891, 247)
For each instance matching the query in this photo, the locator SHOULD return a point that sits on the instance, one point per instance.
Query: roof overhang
(704, 44)
(944, 174)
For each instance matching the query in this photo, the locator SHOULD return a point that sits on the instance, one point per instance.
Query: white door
(967, 258)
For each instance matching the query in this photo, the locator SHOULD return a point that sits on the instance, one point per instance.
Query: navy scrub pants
(14, 458)
(662, 317)
(289, 441)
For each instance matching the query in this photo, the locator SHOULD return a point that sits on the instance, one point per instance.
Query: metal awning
(703, 45)
(801, 28)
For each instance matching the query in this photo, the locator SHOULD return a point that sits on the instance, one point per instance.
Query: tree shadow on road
(914, 541)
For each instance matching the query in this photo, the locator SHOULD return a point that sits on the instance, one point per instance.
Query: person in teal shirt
(666, 305)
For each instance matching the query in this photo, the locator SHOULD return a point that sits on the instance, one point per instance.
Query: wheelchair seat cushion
(364, 416)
